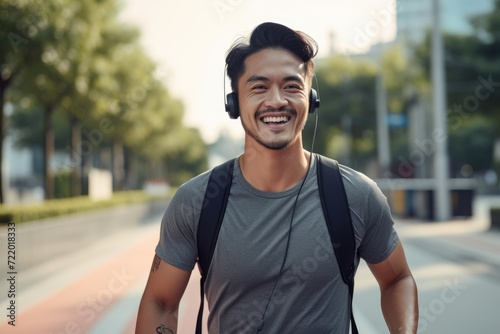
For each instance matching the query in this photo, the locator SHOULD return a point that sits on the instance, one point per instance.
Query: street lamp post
(442, 202)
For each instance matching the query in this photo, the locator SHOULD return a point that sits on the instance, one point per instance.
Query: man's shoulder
(197, 181)
(193, 189)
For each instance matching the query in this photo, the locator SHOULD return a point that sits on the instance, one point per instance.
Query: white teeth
(275, 119)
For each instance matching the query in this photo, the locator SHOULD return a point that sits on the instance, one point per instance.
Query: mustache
(289, 110)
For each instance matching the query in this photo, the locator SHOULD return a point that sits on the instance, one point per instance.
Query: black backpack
(338, 220)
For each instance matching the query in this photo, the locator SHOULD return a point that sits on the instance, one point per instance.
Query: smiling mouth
(275, 120)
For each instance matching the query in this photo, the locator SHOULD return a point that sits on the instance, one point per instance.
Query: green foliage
(472, 67)
(472, 144)
(470, 61)
(189, 159)
(58, 207)
(27, 125)
(347, 93)
(347, 126)
(62, 184)
(15, 31)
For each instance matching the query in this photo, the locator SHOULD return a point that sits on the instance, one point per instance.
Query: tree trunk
(118, 166)
(4, 83)
(76, 170)
(3, 86)
(48, 150)
(132, 175)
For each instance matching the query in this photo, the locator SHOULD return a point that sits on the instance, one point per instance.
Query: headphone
(233, 109)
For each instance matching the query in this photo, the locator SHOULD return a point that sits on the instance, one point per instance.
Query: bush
(62, 184)
(58, 207)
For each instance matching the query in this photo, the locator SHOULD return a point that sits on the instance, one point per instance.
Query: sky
(189, 39)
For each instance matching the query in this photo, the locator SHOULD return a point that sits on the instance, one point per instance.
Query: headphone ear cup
(232, 105)
(313, 101)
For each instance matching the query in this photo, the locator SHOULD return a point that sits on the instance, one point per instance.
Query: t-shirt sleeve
(380, 237)
(177, 244)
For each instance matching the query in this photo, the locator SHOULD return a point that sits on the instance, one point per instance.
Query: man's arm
(398, 292)
(161, 297)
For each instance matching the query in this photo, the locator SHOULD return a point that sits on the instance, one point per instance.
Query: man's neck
(274, 170)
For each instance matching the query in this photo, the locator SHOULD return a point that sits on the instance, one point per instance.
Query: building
(414, 17)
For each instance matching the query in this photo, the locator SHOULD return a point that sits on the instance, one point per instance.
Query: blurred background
(135, 89)
(119, 102)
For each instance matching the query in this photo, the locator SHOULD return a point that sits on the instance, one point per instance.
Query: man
(273, 268)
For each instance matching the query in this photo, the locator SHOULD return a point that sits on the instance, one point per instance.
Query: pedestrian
(273, 268)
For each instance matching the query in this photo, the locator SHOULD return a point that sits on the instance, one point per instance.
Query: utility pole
(384, 154)
(442, 203)
(383, 148)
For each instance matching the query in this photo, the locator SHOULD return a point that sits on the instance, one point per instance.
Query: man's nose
(275, 99)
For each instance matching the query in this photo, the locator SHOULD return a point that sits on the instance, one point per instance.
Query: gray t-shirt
(310, 296)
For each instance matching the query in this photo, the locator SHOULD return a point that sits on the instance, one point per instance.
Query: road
(97, 287)
(457, 270)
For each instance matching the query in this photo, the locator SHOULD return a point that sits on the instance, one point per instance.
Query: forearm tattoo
(156, 264)
(162, 329)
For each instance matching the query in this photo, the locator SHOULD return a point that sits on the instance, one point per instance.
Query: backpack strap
(338, 218)
(211, 216)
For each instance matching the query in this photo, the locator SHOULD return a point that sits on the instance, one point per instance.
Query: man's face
(273, 97)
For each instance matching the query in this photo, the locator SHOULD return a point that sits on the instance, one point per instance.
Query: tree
(136, 98)
(87, 69)
(189, 158)
(17, 29)
(347, 111)
(472, 64)
(96, 91)
(57, 47)
(67, 50)
(472, 144)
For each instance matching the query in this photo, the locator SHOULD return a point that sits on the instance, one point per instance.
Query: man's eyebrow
(293, 78)
(255, 78)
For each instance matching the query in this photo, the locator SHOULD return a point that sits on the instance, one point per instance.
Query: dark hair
(274, 36)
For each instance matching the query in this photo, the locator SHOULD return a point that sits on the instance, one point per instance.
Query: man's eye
(259, 87)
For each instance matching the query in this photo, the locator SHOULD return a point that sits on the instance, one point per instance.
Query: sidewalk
(95, 289)
(81, 287)
(465, 239)
(47, 239)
